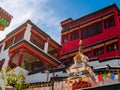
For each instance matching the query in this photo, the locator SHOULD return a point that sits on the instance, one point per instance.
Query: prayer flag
(100, 78)
(104, 76)
(93, 78)
(116, 76)
(112, 76)
(96, 77)
(108, 75)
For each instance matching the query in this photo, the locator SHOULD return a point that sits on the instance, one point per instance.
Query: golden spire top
(80, 46)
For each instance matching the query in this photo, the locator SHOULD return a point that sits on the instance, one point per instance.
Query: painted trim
(66, 21)
(108, 59)
(45, 39)
(13, 35)
(93, 46)
(113, 41)
(91, 21)
(39, 53)
(98, 46)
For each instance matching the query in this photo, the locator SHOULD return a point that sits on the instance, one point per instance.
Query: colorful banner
(100, 77)
(108, 75)
(2, 27)
(112, 76)
(4, 23)
(104, 75)
(93, 78)
(103, 79)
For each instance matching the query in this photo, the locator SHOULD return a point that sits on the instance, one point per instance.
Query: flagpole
(118, 76)
(115, 47)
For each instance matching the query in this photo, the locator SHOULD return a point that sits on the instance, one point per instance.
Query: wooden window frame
(111, 47)
(74, 35)
(109, 22)
(98, 51)
(19, 36)
(65, 39)
(91, 30)
(88, 54)
(37, 41)
(9, 43)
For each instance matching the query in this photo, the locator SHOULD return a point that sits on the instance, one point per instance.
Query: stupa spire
(80, 46)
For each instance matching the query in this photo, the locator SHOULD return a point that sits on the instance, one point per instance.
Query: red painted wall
(106, 34)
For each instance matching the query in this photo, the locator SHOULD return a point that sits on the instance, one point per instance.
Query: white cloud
(35, 10)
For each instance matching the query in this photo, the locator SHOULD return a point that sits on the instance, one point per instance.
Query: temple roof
(93, 13)
(36, 28)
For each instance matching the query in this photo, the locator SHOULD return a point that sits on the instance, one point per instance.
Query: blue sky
(47, 14)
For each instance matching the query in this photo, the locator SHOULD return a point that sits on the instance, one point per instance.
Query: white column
(4, 55)
(5, 62)
(46, 47)
(27, 33)
(3, 46)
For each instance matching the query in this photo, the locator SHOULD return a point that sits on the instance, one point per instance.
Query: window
(74, 35)
(19, 36)
(9, 43)
(91, 30)
(37, 41)
(109, 22)
(88, 54)
(98, 51)
(64, 39)
(65, 28)
(112, 47)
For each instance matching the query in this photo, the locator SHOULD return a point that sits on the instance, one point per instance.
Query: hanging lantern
(5, 19)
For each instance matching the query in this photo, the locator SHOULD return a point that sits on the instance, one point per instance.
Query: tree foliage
(13, 78)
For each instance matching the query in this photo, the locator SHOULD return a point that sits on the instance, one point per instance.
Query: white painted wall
(112, 63)
(42, 77)
(94, 63)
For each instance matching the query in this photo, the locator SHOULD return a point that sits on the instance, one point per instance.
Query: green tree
(13, 78)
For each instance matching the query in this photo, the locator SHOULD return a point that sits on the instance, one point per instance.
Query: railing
(103, 78)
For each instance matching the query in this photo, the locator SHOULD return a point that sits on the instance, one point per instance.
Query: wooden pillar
(20, 57)
(58, 55)
(117, 23)
(92, 53)
(80, 34)
(105, 49)
(102, 21)
(69, 37)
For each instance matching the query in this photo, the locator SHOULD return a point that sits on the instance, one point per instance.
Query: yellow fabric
(108, 74)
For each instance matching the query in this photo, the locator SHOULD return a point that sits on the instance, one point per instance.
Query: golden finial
(78, 56)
